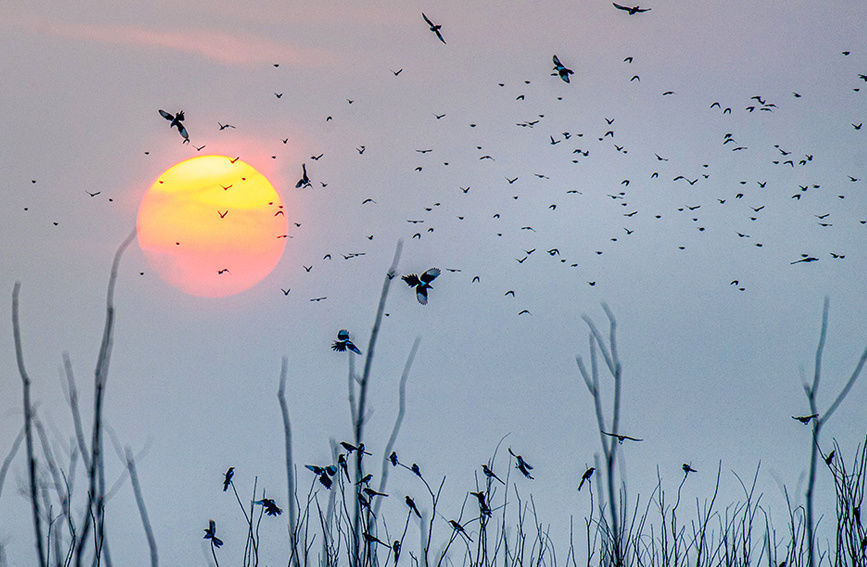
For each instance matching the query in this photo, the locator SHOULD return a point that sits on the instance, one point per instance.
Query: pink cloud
(216, 45)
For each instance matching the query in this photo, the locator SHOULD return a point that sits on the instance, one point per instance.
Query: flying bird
(304, 181)
(620, 437)
(522, 465)
(562, 70)
(343, 343)
(421, 283)
(630, 10)
(805, 419)
(177, 120)
(270, 506)
(435, 28)
(210, 533)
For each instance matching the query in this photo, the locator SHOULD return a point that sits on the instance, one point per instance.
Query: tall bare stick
(362, 391)
(11, 455)
(96, 490)
(139, 500)
(401, 410)
(818, 421)
(28, 427)
(290, 470)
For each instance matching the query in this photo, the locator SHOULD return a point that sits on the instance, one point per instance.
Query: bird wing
(426, 19)
(421, 294)
(439, 35)
(557, 62)
(166, 115)
(430, 275)
(183, 131)
(338, 346)
(411, 280)
(351, 346)
(619, 7)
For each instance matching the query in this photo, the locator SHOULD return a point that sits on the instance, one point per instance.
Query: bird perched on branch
(687, 469)
(411, 503)
(177, 120)
(586, 476)
(227, 478)
(490, 474)
(343, 343)
(421, 283)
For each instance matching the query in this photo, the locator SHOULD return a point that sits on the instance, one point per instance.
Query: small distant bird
(343, 343)
(490, 474)
(459, 529)
(373, 539)
(414, 468)
(270, 506)
(222, 126)
(805, 419)
(411, 503)
(630, 10)
(562, 70)
(687, 468)
(223, 215)
(586, 477)
(830, 458)
(620, 437)
(371, 492)
(393, 459)
(304, 181)
(92, 194)
(177, 120)
(210, 533)
(522, 465)
(421, 283)
(396, 548)
(435, 28)
(227, 478)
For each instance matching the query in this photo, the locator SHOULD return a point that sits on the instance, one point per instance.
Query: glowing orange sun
(211, 226)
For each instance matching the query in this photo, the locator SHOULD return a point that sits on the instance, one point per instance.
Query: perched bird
(586, 476)
(805, 419)
(421, 283)
(522, 465)
(414, 468)
(562, 70)
(435, 28)
(343, 343)
(177, 120)
(227, 478)
(830, 457)
(490, 474)
(270, 506)
(210, 533)
(411, 503)
(371, 492)
(393, 459)
(459, 529)
(630, 10)
(687, 468)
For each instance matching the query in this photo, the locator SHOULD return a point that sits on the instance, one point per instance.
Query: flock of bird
(606, 139)
(581, 147)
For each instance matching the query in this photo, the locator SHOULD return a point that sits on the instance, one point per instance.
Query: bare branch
(290, 470)
(139, 500)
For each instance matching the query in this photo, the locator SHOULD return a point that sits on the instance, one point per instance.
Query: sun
(212, 226)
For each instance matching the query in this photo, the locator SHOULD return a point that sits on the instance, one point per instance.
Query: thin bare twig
(290, 471)
(139, 500)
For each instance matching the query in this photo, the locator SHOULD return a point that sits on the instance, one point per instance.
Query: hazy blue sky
(711, 373)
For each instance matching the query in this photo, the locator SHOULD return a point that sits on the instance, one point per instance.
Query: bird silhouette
(586, 477)
(687, 469)
(304, 181)
(522, 465)
(270, 506)
(490, 474)
(227, 478)
(805, 419)
(176, 120)
(620, 437)
(435, 28)
(211, 534)
(343, 343)
(411, 503)
(421, 283)
(562, 70)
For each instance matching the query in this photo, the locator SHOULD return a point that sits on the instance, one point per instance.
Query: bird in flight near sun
(631, 10)
(421, 283)
(177, 120)
(435, 28)
(562, 70)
